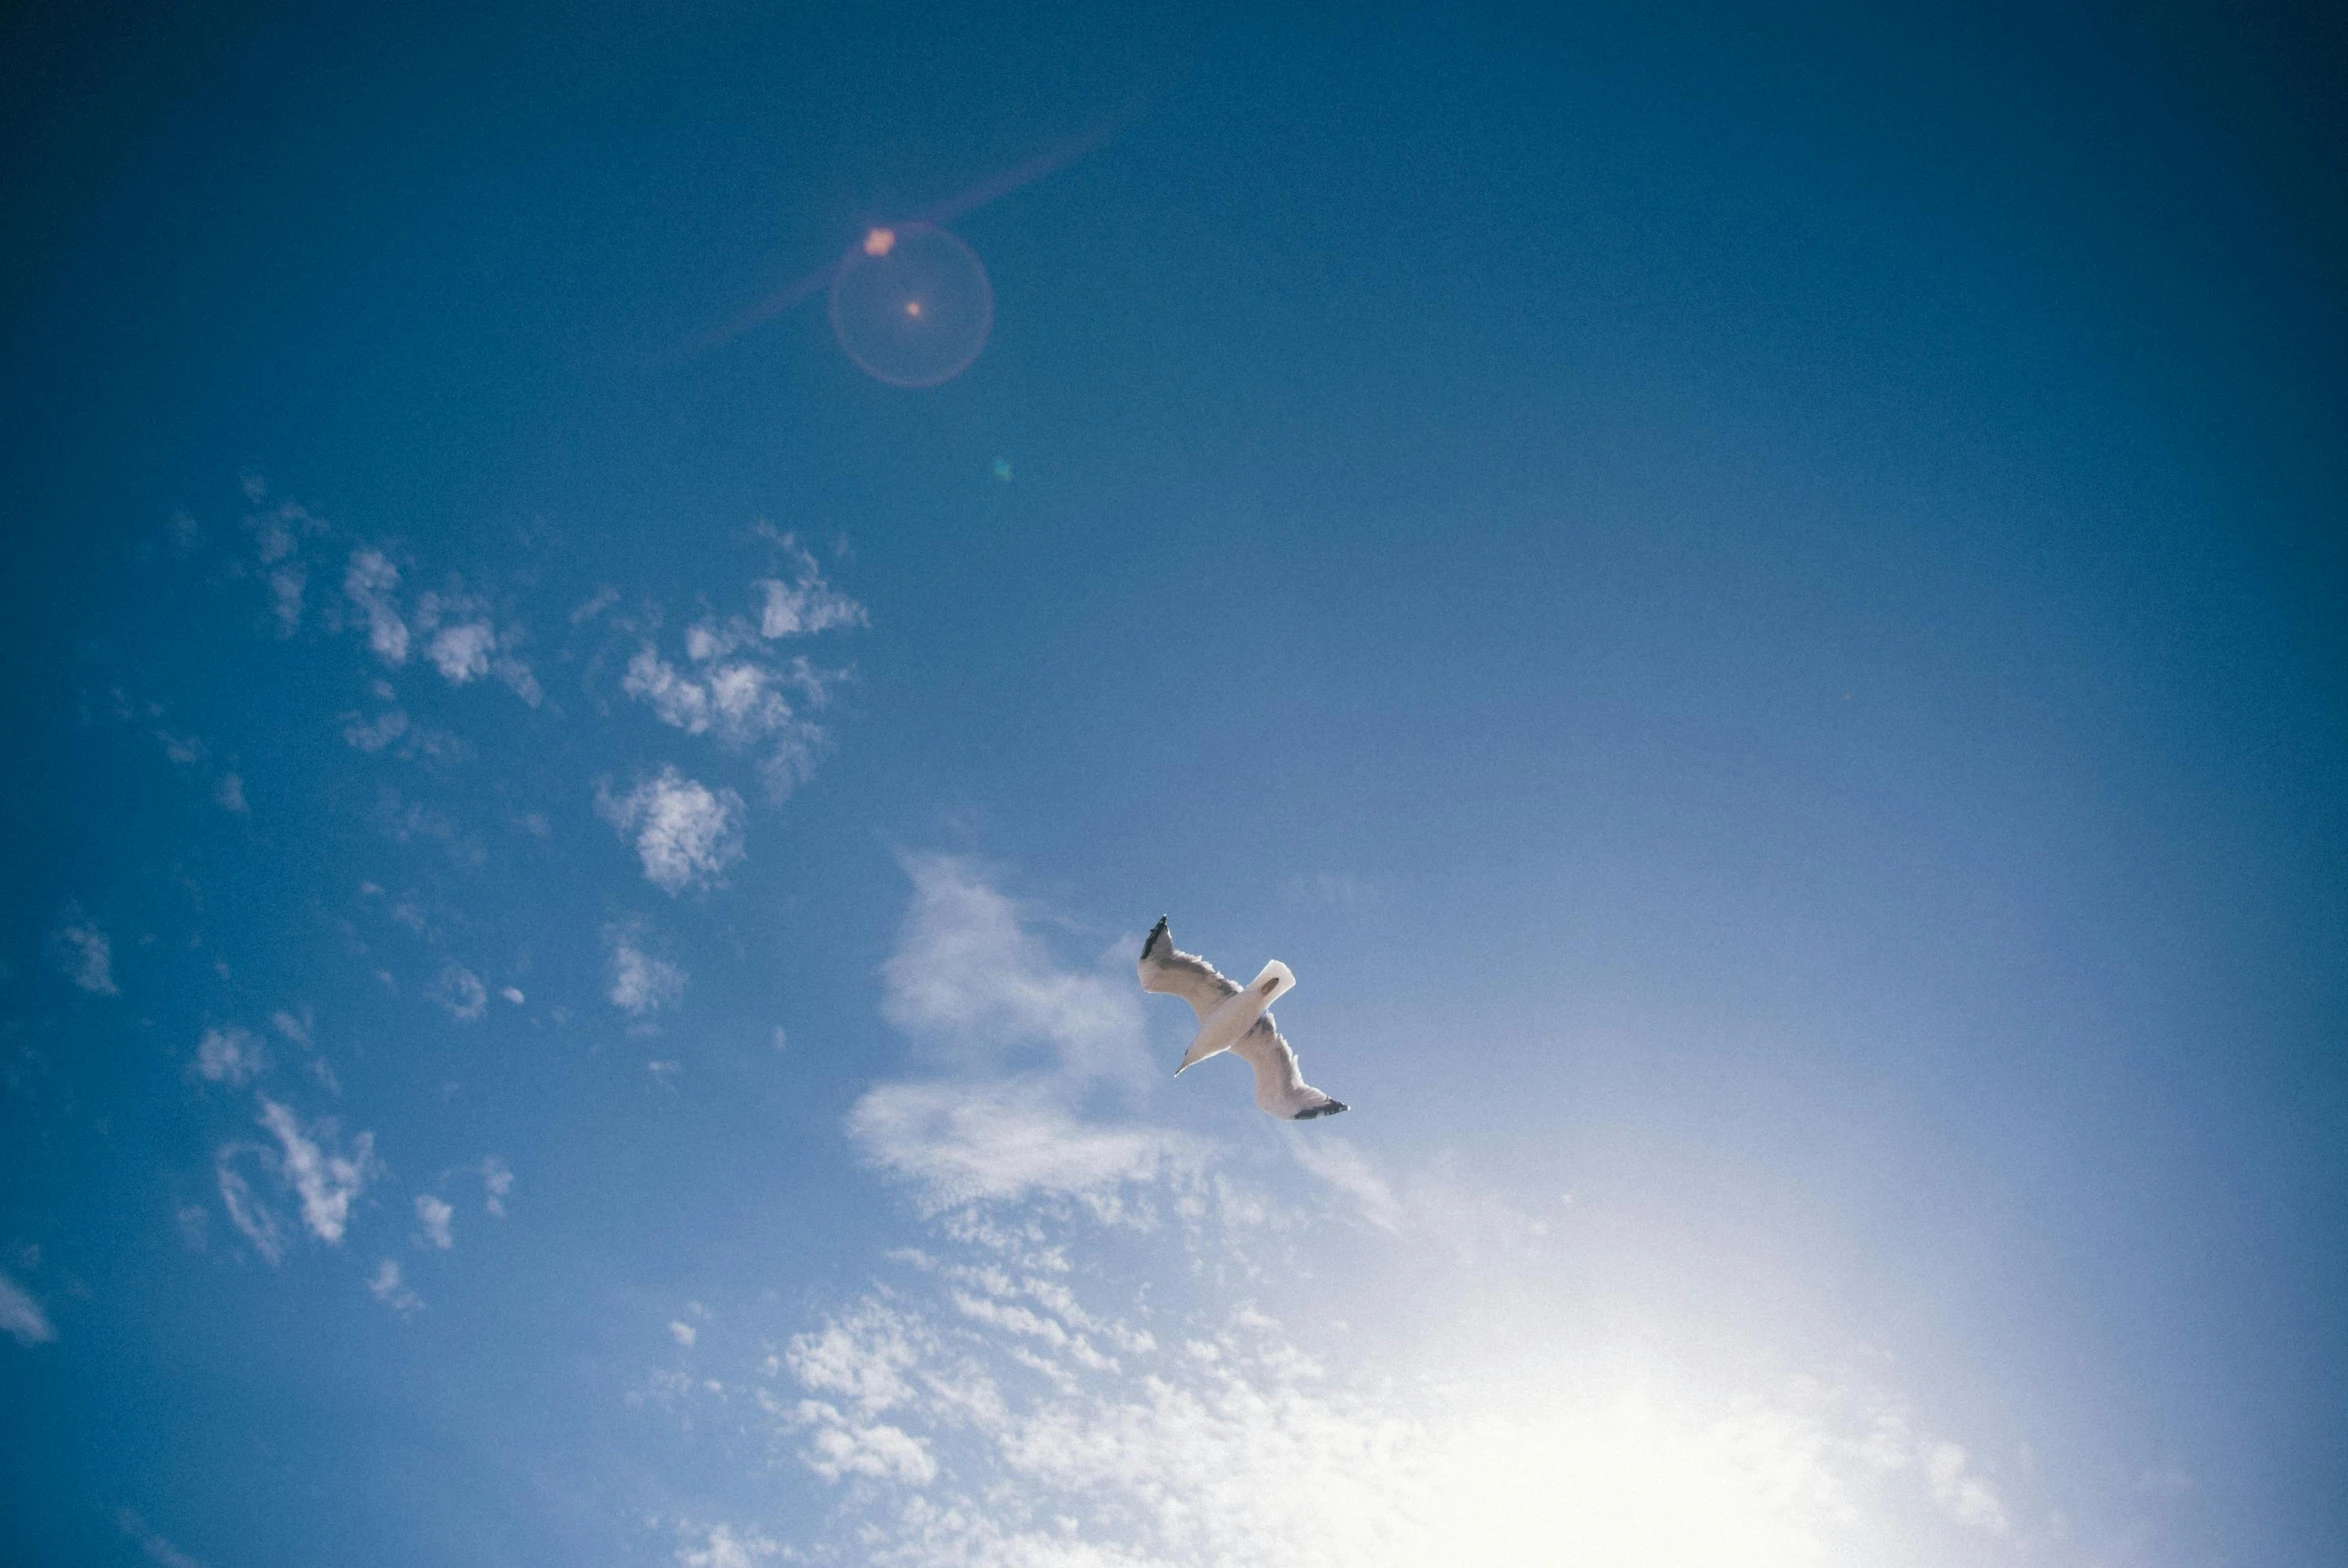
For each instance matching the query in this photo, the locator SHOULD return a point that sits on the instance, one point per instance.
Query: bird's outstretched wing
(1280, 1087)
(1181, 974)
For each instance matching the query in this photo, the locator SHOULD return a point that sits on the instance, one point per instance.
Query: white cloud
(370, 583)
(971, 981)
(438, 1221)
(21, 1317)
(254, 1219)
(640, 983)
(864, 1357)
(461, 993)
(496, 1182)
(1338, 1162)
(286, 585)
(1961, 1494)
(230, 793)
(1036, 1389)
(296, 1029)
(721, 1546)
(154, 1547)
(387, 1287)
(737, 691)
(838, 1447)
(961, 1142)
(1237, 1446)
(461, 652)
(683, 1334)
(231, 1056)
(389, 726)
(741, 702)
(806, 603)
(967, 1417)
(85, 955)
(685, 833)
(327, 1180)
(986, 998)
(464, 644)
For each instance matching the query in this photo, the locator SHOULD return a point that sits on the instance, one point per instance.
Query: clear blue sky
(1755, 604)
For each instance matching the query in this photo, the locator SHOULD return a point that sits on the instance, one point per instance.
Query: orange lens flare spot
(913, 307)
(879, 242)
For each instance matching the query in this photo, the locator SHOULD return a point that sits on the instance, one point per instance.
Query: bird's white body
(1236, 1019)
(1234, 1016)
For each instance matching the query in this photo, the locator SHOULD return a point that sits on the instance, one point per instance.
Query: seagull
(1233, 1019)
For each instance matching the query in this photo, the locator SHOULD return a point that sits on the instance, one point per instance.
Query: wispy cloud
(723, 1546)
(464, 643)
(460, 993)
(232, 1056)
(1024, 1039)
(371, 583)
(388, 1287)
(497, 1181)
(21, 1317)
(640, 982)
(960, 1143)
(254, 1219)
(1032, 1388)
(685, 833)
(972, 980)
(736, 688)
(1960, 1491)
(798, 601)
(84, 954)
(327, 1180)
(436, 1222)
(153, 1546)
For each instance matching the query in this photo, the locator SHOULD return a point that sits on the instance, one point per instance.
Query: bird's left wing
(1182, 974)
(1280, 1087)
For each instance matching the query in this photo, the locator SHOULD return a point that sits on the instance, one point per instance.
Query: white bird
(1231, 1018)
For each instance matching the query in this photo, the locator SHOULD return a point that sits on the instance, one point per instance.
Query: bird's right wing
(1280, 1087)
(1181, 974)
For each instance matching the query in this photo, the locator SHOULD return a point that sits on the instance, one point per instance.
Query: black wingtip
(1156, 932)
(1331, 1109)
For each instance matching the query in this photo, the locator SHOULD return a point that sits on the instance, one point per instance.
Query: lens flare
(911, 305)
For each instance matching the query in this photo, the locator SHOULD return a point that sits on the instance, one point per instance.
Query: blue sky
(1754, 605)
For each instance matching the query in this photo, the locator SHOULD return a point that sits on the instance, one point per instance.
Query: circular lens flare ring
(911, 305)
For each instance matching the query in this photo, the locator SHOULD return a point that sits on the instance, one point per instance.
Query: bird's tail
(1272, 982)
